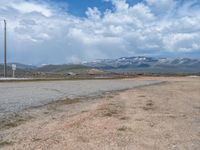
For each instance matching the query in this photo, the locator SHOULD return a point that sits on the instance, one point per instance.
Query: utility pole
(5, 50)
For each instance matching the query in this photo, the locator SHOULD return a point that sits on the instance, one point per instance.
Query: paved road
(17, 96)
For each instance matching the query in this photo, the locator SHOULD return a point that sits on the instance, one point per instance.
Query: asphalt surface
(17, 96)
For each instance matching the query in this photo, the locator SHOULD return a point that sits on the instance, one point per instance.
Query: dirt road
(165, 116)
(17, 96)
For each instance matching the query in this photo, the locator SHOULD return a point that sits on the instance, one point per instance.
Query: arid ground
(162, 116)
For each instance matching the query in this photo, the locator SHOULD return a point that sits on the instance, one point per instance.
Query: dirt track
(17, 96)
(160, 117)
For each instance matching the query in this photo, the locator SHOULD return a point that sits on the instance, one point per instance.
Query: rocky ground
(164, 116)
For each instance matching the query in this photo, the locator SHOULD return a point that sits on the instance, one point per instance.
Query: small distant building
(71, 74)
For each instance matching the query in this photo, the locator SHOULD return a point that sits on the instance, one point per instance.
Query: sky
(75, 31)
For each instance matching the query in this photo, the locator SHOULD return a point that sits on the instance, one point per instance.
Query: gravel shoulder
(17, 96)
(164, 116)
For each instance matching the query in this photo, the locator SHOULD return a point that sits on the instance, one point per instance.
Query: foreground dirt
(165, 116)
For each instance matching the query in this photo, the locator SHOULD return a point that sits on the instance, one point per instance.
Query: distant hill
(148, 65)
(51, 70)
(61, 68)
(69, 68)
(23, 66)
(136, 65)
(19, 72)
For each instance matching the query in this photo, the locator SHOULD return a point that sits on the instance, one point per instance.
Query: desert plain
(163, 115)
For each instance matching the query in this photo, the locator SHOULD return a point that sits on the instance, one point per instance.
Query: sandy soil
(165, 116)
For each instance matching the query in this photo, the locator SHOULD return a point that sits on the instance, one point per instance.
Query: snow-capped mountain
(148, 64)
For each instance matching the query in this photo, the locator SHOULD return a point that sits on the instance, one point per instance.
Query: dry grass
(149, 105)
(123, 128)
(13, 121)
(109, 110)
(68, 101)
(5, 143)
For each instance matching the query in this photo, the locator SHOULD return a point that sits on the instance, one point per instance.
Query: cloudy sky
(72, 31)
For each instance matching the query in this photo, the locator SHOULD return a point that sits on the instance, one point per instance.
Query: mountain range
(148, 65)
(138, 64)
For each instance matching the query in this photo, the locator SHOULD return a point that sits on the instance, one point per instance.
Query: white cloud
(120, 5)
(161, 6)
(40, 33)
(93, 13)
(27, 7)
(183, 41)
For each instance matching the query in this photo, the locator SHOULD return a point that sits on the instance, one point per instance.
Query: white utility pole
(5, 50)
